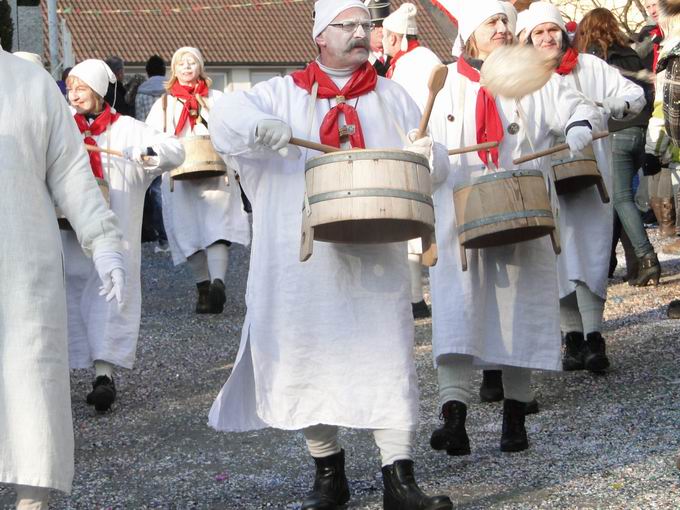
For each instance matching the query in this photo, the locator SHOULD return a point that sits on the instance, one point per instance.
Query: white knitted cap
(543, 12)
(325, 12)
(195, 52)
(95, 73)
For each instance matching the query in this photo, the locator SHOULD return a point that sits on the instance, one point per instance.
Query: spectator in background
(62, 82)
(153, 88)
(650, 37)
(115, 96)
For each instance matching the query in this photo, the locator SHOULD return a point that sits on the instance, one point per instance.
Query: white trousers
(454, 374)
(322, 441)
(416, 268)
(581, 311)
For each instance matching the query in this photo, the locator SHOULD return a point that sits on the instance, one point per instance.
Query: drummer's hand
(578, 138)
(135, 154)
(422, 146)
(111, 271)
(616, 107)
(275, 134)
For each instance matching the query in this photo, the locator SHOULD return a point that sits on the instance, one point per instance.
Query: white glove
(578, 138)
(615, 106)
(274, 134)
(135, 154)
(111, 270)
(422, 146)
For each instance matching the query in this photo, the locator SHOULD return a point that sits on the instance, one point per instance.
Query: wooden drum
(578, 172)
(503, 208)
(367, 197)
(200, 162)
(103, 187)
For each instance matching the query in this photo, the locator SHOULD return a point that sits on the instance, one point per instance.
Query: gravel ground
(598, 442)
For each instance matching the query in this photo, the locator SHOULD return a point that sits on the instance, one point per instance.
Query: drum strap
(459, 118)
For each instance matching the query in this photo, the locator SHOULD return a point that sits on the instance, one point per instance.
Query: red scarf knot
(488, 121)
(100, 125)
(362, 82)
(568, 62)
(191, 107)
(412, 45)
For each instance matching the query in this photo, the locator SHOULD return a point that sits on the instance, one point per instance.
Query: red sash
(568, 63)
(100, 124)
(191, 107)
(411, 46)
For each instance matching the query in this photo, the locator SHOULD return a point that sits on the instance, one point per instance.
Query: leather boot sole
(597, 363)
(515, 446)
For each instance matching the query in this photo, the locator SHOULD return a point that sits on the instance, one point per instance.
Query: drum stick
(553, 150)
(94, 148)
(313, 145)
(473, 148)
(435, 84)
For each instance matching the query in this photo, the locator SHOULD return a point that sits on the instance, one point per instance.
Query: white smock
(43, 160)
(504, 309)
(97, 329)
(199, 212)
(412, 71)
(585, 222)
(329, 340)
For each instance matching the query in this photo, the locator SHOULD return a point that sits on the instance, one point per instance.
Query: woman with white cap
(100, 332)
(202, 217)
(585, 222)
(330, 344)
(503, 310)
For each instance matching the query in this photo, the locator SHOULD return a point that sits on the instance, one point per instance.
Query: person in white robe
(202, 217)
(43, 163)
(327, 342)
(100, 333)
(504, 310)
(585, 221)
(410, 66)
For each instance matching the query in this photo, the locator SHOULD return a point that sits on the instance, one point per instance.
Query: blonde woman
(201, 217)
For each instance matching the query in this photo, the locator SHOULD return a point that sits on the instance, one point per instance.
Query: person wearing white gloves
(585, 222)
(331, 344)
(504, 310)
(202, 217)
(43, 162)
(102, 332)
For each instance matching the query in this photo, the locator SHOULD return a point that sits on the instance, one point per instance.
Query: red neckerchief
(489, 125)
(362, 82)
(190, 110)
(568, 63)
(411, 46)
(657, 34)
(100, 124)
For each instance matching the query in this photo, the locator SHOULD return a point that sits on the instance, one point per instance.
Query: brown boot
(666, 217)
(672, 248)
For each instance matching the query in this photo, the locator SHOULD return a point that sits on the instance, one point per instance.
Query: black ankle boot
(574, 349)
(402, 492)
(421, 310)
(103, 393)
(203, 302)
(595, 357)
(452, 436)
(331, 489)
(514, 437)
(217, 296)
(649, 270)
(491, 389)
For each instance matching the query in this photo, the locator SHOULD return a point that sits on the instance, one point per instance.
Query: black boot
(574, 349)
(452, 436)
(331, 489)
(203, 303)
(491, 389)
(595, 357)
(103, 393)
(532, 407)
(402, 492)
(421, 310)
(218, 296)
(649, 269)
(673, 310)
(514, 436)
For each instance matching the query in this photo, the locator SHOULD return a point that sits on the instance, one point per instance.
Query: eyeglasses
(351, 26)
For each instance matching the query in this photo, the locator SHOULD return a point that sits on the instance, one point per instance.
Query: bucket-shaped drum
(367, 197)
(573, 173)
(200, 162)
(103, 187)
(502, 208)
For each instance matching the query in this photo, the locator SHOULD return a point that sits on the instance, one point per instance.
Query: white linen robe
(504, 309)
(197, 213)
(412, 71)
(329, 340)
(43, 160)
(97, 329)
(585, 222)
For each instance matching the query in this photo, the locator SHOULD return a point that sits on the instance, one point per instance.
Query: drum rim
(497, 176)
(367, 154)
(370, 193)
(500, 218)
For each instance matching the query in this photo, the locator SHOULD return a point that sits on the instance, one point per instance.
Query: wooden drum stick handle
(94, 148)
(313, 145)
(553, 150)
(435, 84)
(473, 148)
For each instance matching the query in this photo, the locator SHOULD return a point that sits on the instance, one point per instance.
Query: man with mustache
(327, 342)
